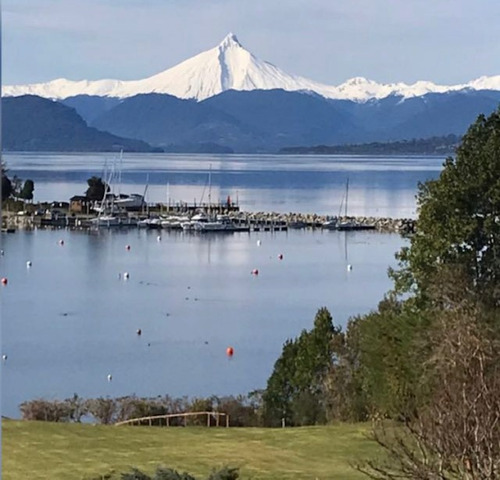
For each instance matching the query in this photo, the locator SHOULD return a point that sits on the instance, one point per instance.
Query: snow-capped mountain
(229, 66)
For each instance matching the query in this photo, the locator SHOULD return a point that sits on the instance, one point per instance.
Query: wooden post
(208, 419)
(217, 419)
(168, 421)
(150, 422)
(227, 420)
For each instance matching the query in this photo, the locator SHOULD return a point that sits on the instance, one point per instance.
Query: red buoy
(4, 281)
(229, 351)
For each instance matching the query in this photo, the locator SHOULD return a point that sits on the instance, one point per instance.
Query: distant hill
(435, 114)
(280, 118)
(89, 107)
(174, 124)
(32, 123)
(429, 146)
(268, 120)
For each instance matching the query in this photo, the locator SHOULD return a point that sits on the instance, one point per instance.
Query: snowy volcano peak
(229, 41)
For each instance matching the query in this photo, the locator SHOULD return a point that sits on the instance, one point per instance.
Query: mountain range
(226, 99)
(229, 66)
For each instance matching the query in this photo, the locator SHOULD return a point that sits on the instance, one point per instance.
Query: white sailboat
(350, 224)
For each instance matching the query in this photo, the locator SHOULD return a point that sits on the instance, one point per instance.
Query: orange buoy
(229, 351)
(280, 256)
(4, 281)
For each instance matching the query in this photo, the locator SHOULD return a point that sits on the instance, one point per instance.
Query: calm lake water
(71, 319)
(378, 186)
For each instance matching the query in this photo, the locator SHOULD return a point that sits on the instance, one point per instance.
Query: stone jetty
(311, 220)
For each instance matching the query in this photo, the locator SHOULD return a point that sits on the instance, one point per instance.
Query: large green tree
(27, 190)
(295, 389)
(97, 188)
(7, 188)
(459, 217)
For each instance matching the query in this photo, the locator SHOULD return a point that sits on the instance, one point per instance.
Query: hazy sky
(330, 41)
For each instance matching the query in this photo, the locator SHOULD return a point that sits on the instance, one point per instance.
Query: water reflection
(71, 319)
(308, 184)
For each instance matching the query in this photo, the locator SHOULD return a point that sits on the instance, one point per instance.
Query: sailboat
(350, 224)
(112, 211)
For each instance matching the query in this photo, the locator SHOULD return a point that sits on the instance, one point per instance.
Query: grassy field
(70, 451)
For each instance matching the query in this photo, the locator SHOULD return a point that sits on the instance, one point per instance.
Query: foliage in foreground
(162, 473)
(455, 434)
(451, 422)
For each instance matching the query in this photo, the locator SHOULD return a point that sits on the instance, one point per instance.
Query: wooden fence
(150, 420)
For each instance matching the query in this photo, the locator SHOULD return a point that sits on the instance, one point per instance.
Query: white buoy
(259, 243)
(158, 238)
(110, 377)
(349, 267)
(28, 264)
(61, 242)
(126, 276)
(4, 357)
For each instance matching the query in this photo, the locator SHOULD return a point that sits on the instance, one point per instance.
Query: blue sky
(330, 41)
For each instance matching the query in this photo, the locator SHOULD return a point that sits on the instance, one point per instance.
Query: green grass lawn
(70, 451)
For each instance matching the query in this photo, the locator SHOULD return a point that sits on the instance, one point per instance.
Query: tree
(7, 189)
(103, 409)
(296, 389)
(455, 434)
(97, 188)
(458, 222)
(27, 190)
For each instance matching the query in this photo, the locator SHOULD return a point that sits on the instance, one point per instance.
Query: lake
(71, 318)
(378, 186)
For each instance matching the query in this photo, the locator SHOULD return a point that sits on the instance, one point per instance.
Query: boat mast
(346, 196)
(120, 174)
(210, 189)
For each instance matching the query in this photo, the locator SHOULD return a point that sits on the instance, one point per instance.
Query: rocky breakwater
(405, 226)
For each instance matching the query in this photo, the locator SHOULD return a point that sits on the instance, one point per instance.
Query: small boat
(331, 224)
(152, 223)
(348, 223)
(106, 221)
(133, 201)
(173, 222)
